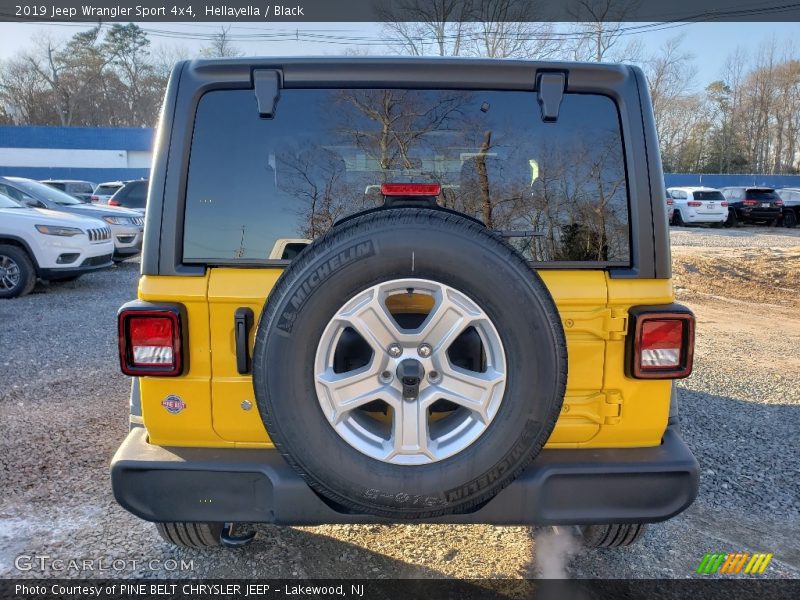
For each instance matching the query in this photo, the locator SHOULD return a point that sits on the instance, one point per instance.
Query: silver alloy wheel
(9, 273)
(415, 434)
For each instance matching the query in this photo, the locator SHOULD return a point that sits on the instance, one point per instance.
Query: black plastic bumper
(96, 263)
(561, 487)
(128, 251)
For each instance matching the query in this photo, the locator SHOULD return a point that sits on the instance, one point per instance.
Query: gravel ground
(63, 406)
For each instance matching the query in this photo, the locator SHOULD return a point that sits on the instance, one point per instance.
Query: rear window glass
(135, 194)
(81, 188)
(556, 190)
(107, 189)
(58, 186)
(708, 196)
(762, 194)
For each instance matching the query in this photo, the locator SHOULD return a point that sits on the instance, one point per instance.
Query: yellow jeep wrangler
(393, 290)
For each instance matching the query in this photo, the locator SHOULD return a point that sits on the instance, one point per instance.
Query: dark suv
(394, 290)
(132, 195)
(752, 204)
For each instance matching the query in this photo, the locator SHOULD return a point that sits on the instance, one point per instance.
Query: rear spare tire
(409, 364)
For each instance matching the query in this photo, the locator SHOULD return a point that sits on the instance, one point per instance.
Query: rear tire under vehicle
(191, 535)
(731, 220)
(612, 536)
(17, 273)
(789, 219)
(677, 219)
(356, 450)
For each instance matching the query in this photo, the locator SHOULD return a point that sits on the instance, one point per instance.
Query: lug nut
(394, 350)
(424, 350)
(386, 376)
(434, 377)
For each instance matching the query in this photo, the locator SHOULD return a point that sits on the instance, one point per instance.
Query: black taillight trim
(138, 308)
(641, 314)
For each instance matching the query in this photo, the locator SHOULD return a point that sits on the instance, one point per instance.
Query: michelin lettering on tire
(438, 251)
(326, 269)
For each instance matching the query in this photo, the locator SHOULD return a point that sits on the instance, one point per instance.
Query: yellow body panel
(602, 408)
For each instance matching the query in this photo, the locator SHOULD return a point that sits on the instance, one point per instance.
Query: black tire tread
(399, 218)
(191, 535)
(26, 267)
(617, 535)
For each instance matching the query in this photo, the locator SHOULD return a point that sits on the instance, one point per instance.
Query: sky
(709, 42)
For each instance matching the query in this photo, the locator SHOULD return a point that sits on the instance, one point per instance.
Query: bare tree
(508, 29)
(599, 34)
(69, 71)
(221, 45)
(425, 27)
(670, 76)
(488, 28)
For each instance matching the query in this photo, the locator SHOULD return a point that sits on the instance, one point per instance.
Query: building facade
(95, 154)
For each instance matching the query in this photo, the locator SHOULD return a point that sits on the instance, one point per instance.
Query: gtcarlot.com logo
(734, 563)
(42, 563)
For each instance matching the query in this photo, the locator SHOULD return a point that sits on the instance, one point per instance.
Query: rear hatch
(557, 189)
(711, 203)
(763, 198)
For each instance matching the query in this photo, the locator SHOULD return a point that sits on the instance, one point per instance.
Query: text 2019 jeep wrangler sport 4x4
(382, 290)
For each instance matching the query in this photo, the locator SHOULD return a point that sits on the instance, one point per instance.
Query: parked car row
(729, 206)
(129, 194)
(49, 234)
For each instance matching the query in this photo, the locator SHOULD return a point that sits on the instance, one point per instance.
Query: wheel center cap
(410, 373)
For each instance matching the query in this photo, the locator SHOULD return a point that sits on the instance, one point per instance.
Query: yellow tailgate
(602, 408)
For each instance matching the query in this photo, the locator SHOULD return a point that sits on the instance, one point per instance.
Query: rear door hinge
(617, 323)
(603, 408)
(604, 323)
(612, 407)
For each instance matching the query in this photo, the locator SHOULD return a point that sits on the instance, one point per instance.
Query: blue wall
(77, 138)
(724, 180)
(84, 138)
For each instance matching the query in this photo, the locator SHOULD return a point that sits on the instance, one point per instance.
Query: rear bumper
(695, 217)
(759, 214)
(561, 487)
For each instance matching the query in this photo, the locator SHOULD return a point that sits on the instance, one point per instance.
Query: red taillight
(150, 342)
(411, 189)
(750, 202)
(723, 204)
(113, 202)
(670, 202)
(694, 203)
(94, 198)
(778, 202)
(663, 345)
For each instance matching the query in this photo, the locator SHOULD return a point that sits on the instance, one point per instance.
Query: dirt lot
(63, 409)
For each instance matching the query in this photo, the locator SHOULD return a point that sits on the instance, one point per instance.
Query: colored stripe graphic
(733, 563)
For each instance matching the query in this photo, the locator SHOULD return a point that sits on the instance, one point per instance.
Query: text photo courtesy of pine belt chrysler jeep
(482, 329)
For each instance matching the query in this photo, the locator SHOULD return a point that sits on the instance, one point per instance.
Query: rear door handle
(242, 323)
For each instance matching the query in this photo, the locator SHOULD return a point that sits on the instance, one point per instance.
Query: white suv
(51, 245)
(698, 205)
